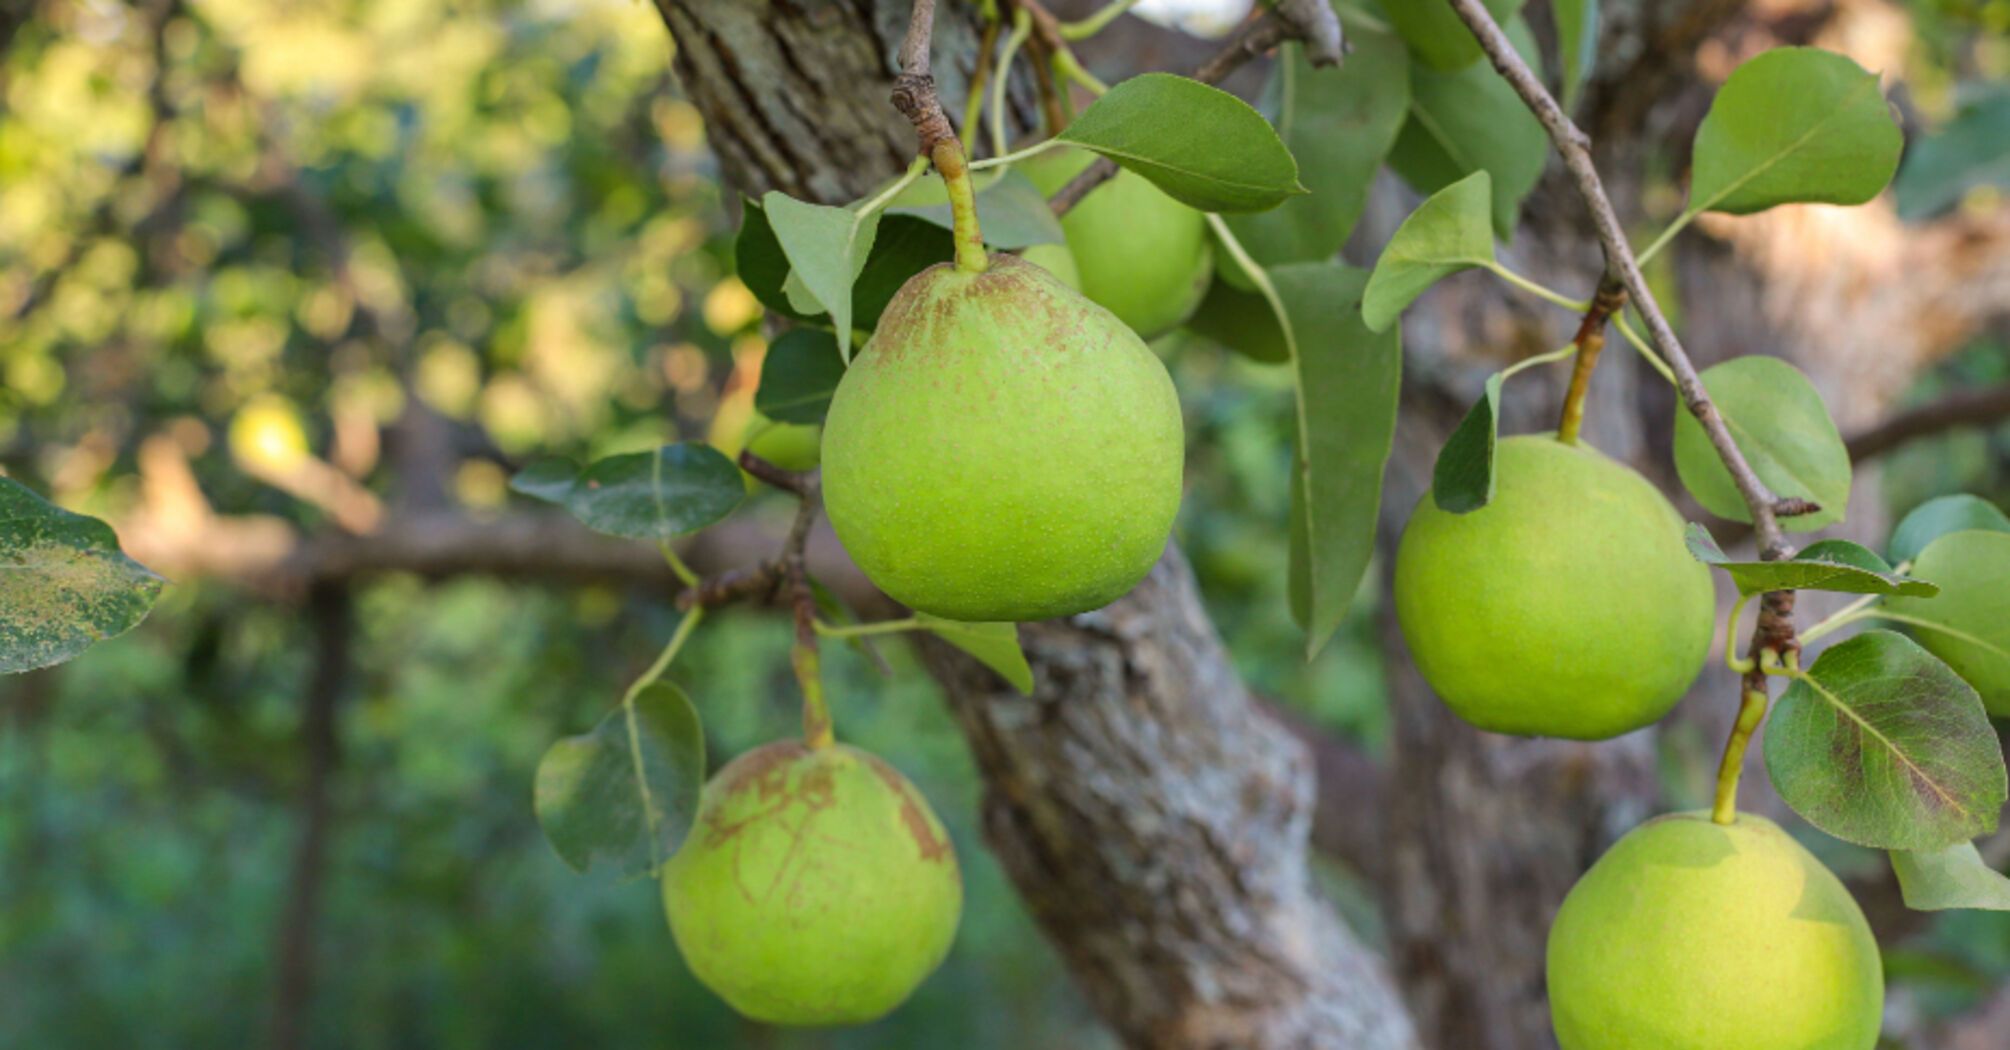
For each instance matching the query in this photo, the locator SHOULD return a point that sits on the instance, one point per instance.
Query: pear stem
(1590, 341)
(948, 157)
(914, 95)
(1751, 712)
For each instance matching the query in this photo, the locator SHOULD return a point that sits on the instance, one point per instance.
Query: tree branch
(1969, 409)
(1575, 147)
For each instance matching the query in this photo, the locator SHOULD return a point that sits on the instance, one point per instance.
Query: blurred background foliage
(254, 234)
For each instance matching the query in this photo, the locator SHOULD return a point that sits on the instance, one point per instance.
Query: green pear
(1567, 606)
(790, 446)
(1057, 260)
(1973, 601)
(1141, 254)
(817, 887)
(1690, 935)
(1002, 448)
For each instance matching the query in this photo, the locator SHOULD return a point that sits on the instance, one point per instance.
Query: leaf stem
(1022, 27)
(860, 630)
(1536, 289)
(973, 103)
(1646, 352)
(1660, 242)
(1095, 22)
(1751, 711)
(1848, 614)
(677, 638)
(1550, 357)
(1014, 158)
(1071, 67)
(677, 567)
(1740, 664)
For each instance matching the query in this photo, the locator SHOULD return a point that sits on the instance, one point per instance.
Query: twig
(1575, 147)
(796, 481)
(1590, 341)
(1978, 408)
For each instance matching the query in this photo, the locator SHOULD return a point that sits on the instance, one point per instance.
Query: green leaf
(625, 794)
(798, 377)
(64, 583)
(1955, 877)
(1447, 234)
(1937, 517)
(761, 264)
(1347, 381)
(656, 495)
(1436, 34)
(1576, 44)
(1339, 123)
(995, 645)
(827, 249)
(1204, 147)
(1784, 430)
(1972, 151)
(1831, 565)
(1472, 121)
(1968, 624)
(1881, 744)
(1010, 209)
(1241, 321)
(1794, 125)
(1462, 480)
(549, 479)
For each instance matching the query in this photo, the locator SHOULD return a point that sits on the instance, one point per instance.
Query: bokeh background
(273, 270)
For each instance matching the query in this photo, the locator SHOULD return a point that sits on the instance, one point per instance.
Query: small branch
(914, 89)
(817, 731)
(1621, 266)
(1976, 408)
(1590, 341)
(796, 481)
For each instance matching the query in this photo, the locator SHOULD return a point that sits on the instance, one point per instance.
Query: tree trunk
(1153, 818)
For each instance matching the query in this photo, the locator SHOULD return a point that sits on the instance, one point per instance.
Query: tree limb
(1968, 409)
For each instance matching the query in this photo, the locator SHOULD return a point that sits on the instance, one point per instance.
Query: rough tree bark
(1153, 818)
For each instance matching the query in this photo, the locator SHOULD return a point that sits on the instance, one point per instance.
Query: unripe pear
(1141, 254)
(1690, 935)
(1566, 607)
(817, 887)
(1002, 448)
(1972, 602)
(790, 446)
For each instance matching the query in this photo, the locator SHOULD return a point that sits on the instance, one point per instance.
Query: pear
(1140, 253)
(1690, 935)
(1057, 260)
(1972, 600)
(817, 887)
(1567, 606)
(1002, 448)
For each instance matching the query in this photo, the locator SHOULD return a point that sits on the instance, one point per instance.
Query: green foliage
(1470, 121)
(1881, 744)
(1937, 517)
(658, 495)
(1436, 34)
(1339, 124)
(1347, 380)
(799, 376)
(1972, 151)
(1204, 147)
(1792, 125)
(625, 793)
(1830, 565)
(1779, 422)
(995, 645)
(1576, 44)
(1462, 479)
(827, 249)
(1447, 234)
(64, 583)
(1955, 877)
(1968, 623)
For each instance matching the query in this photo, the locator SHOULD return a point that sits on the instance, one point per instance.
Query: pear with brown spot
(1002, 448)
(817, 887)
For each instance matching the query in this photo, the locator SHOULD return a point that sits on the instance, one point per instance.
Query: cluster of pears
(816, 888)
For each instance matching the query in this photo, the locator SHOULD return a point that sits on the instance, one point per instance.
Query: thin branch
(1972, 409)
(1622, 267)
(796, 481)
(1590, 342)
(914, 89)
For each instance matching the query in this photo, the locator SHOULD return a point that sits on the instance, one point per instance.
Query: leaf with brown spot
(1881, 744)
(64, 583)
